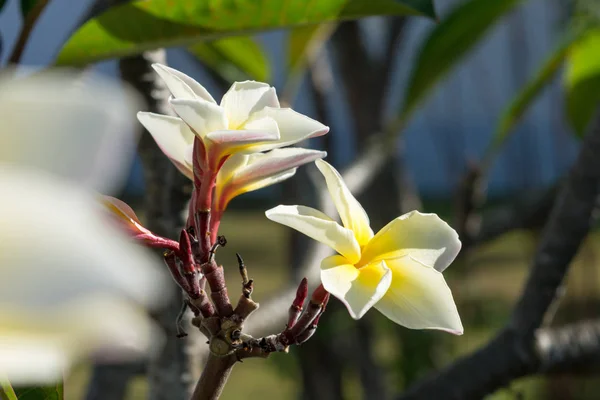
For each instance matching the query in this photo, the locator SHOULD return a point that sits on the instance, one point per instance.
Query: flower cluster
(235, 147)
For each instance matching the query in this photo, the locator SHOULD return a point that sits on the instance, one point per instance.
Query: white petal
(203, 117)
(260, 170)
(173, 137)
(419, 298)
(425, 237)
(293, 127)
(81, 252)
(359, 289)
(245, 98)
(181, 85)
(318, 226)
(222, 143)
(261, 165)
(75, 126)
(40, 346)
(351, 212)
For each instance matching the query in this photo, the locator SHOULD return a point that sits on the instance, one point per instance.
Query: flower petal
(259, 170)
(173, 137)
(202, 116)
(293, 127)
(425, 237)
(358, 289)
(245, 98)
(181, 85)
(351, 212)
(125, 214)
(222, 143)
(419, 297)
(318, 226)
(41, 346)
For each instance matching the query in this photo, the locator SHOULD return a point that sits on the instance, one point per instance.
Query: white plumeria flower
(243, 173)
(248, 120)
(71, 285)
(397, 271)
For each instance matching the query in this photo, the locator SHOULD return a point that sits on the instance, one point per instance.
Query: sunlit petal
(318, 226)
(351, 212)
(425, 237)
(202, 116)
(245, 98)
(358, 289)
(173, 137)
(181, 85)
(293, 127)
(419, 298)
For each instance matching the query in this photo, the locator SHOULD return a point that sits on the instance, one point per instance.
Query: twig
(28, 25)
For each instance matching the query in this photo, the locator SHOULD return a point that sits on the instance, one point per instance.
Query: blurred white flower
(71, 285)
(248, 120)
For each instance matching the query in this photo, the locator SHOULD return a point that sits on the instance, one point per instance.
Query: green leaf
(235, 58)
(2, 2)
(449, 41)
(27, 6)
(582, 80)
(40, 392)
(305, 40)
(6, 390)
(149, 24)
(530, 92)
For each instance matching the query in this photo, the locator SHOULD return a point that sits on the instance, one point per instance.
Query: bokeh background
(440, 145)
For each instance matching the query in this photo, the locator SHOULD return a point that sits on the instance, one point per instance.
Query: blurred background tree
(471, 109)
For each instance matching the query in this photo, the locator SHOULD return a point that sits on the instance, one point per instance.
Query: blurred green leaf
(6, 390)
(582, 80)
(304, 44)
(40, 393)
(27, 6)
(448, 42)
(149, 24)
(304, 41)
(2, 2)
(235, 58)
(529, 93)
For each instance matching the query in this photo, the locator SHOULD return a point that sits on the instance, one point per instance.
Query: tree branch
(513, 352)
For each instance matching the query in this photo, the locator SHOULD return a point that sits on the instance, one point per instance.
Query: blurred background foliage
(478, 107)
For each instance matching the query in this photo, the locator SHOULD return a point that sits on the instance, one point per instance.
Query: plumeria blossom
(71, 286)
(248, 120)
(398, 270)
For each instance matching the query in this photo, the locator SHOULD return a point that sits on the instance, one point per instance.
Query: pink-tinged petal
(419, 297)
(125, 215)
(425, 237)
(262, 165)
(245, 98)
(120, 208)
(359, 289)
(245, 173)
(225, 193)
(351, 212)
(318, 226)
(293, 127)
(181, 85)
(202, 116)
(223, 143)
(173, 137)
